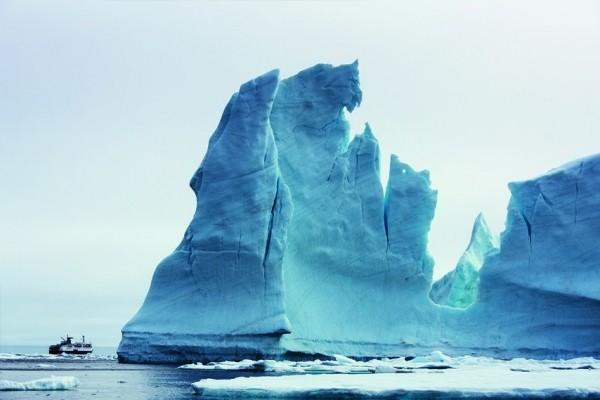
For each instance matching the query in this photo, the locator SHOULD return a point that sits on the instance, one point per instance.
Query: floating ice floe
(436, 360)
(45, 366)
(339, 365)
(52, 383)
(487, 380)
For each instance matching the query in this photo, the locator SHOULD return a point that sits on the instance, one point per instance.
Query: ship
(68, 346)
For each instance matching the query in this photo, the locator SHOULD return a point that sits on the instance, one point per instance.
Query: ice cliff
(459, 287)
(348, 270)
(352, 247)
(540, 294)
(225, 278)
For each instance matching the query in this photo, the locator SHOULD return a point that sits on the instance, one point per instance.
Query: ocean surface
(436, 375)
(100, 375)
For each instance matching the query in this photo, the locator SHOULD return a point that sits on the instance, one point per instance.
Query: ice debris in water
(435, 360)
(45, 366)
(338, 365)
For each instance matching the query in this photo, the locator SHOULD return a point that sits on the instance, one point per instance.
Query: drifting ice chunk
(459, 287)
(52, 383)
(436, 357)
(346, 365)
(45, 366)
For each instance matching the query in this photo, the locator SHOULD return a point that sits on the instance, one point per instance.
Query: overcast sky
(106, 108)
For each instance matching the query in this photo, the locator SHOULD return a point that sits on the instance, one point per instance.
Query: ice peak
(368, 132)
(400, 169)
(482, 232)
(340, 84)
(459, 287)
(409, 209)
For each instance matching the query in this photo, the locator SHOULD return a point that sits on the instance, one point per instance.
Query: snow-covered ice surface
(432, 375)
(454, 383)
(52, 383)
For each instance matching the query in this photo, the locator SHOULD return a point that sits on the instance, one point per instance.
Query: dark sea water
(100, 378)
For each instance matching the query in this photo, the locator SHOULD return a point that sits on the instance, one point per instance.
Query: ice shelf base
(140, 347)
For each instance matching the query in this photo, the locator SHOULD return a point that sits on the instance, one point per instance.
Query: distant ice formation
(459, 287)
(296, 248)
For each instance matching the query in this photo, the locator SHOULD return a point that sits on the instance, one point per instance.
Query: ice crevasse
(295, 247)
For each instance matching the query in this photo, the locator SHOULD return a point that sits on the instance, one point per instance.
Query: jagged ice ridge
(295, 248)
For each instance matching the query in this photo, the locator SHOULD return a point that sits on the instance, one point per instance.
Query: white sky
(106, 108)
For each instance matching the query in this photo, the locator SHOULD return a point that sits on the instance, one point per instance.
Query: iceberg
(296, 249)
(52, 383)
(539, 295)
(459, 287)
(357, 269)
(219, 294)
